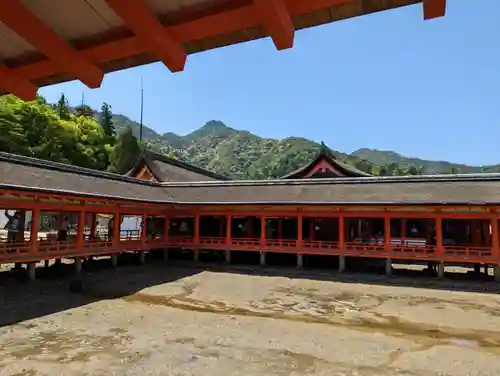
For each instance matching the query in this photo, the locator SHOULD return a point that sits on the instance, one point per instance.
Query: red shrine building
(325, 208)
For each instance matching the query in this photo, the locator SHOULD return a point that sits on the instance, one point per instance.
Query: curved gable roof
(166, 169)
(325, 155)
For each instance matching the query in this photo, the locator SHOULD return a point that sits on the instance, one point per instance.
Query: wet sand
(159, 320)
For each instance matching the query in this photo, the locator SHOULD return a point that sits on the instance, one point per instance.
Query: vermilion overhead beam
(144, 24)
(277, 20)
(434, 9)
(20, 20)
(18, 86)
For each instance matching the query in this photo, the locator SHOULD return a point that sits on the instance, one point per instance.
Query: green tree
(35, 129)
(106, 120)
(62, 107)
(125, 153)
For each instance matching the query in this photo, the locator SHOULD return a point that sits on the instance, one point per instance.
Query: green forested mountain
(387, 157)
(106, 141)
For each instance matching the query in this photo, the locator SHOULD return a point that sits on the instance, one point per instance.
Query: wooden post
(78, 265)
(228, 230)
(35, 224)
(196, 228)
(341, 232)
(300, 240)
(300, 260)
(439, 237)
(80, 240)
(387, 234)
(263, 231)
(280, 229)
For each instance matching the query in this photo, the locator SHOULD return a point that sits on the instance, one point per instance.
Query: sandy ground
(166, 320)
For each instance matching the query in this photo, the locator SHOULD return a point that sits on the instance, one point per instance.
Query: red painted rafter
(150, 31)
(204, 27)
(277, 20)
(434, 9)
(21, 87)
(25, 24)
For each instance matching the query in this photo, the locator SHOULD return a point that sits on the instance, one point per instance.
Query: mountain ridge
(244, 155)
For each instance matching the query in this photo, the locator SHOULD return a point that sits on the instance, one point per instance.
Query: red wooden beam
(205, 27)
(277, 20)
(434, 9)
(145, 25)
(19, 19)
(18, 86)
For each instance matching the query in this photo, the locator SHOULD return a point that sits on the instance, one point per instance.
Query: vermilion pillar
(263, 231)
(196, 228)
(228, 229)
(300, 240)
(35, 223)
(341, 232)
(387, 233)
(439, 237)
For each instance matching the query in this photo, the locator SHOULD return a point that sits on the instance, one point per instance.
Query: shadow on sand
(50, 293)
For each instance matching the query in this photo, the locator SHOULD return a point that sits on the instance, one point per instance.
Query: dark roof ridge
(326, 152)
(187, 166)
(63, 167)
(346, 180)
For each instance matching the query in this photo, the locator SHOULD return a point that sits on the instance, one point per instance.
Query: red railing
(21, 251)
(321, 246)
(469, 252)
(281, 243)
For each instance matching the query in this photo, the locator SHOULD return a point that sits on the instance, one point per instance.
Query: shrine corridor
(167, 320)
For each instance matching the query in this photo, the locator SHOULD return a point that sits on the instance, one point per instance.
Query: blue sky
(385, 81)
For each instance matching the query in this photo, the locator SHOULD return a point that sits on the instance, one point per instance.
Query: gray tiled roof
(37, 175)
(24, 172)
(166, 169)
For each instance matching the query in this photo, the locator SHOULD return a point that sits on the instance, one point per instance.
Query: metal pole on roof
(142, 110)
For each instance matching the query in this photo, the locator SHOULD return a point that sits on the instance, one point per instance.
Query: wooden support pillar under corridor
(341, 264)
(388, 267)
(300, 260)
(196, 255)
(228, 257)
(114, 260)
(440, 270)
(31, 270)
(78, 265)
(263, 258)
(142, 257)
